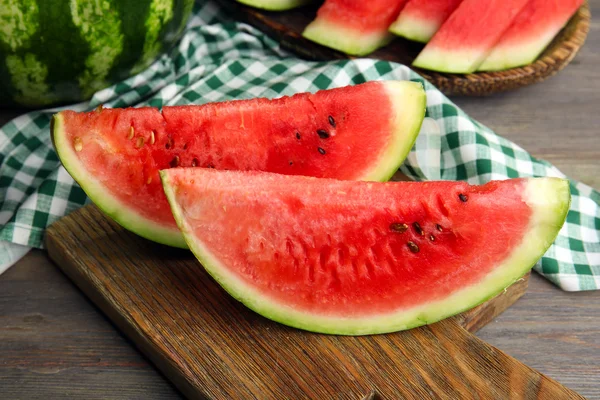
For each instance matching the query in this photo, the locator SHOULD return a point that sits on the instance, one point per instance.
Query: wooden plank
(211, 346)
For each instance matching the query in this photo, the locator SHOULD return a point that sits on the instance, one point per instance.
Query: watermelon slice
(531, 32)
(357, 258)
(275, 5)
(359, 132)
(354, 27)
(421, 19)
(468, 35)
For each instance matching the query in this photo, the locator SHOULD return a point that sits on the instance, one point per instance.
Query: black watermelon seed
(331, 121)
(413, 247)
(463, 197)
(174, 162)
(418, 228)
(291, 163)
(194, 162)
(298, 135)
(321, 150)
(398, 227)
(322, 133)
(438, 227)
(432, 238)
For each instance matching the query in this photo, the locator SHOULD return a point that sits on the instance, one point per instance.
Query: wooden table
(55, 344)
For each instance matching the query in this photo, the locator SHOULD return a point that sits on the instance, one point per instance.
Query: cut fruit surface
(275, 5)
(530, 33)
(347, 257)
(354, 27)
(360, 132)
(421, 19)
(468, 35)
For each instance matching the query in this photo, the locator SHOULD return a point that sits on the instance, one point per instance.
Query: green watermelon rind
(117, 210)
(414, 29)
(507, 57)
(549, 199)
(108, 41)
(275, 5)
(452, 62)
(345, 39)
(410, 102)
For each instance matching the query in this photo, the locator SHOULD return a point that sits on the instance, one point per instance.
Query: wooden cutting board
(213, 347)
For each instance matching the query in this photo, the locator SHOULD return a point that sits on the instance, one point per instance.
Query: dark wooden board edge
(285, 28)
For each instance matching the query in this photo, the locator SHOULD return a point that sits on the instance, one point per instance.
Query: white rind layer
(409, 104)
(512, 55)
(413, 28)
(549, 199)
(275, 5)
(346, 40)
(454, 61)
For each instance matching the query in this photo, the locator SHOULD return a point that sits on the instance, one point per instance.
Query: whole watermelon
(62, 51)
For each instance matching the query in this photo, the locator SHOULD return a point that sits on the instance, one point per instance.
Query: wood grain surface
(211, 346)
(55, 344)
(286, 27)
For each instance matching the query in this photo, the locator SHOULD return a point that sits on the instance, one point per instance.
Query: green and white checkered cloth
(220, 59)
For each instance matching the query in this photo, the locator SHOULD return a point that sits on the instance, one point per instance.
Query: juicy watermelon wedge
(361, 132)
(530, 33)
(421, 19)
(356, 258)
(468, 35)
(354, 27)
(275, 5)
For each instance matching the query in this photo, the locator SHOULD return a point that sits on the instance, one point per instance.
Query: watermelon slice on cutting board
(468, 35)
(419, 20)
(275, 5)
(360, 132)
(530, 33)
(353, 258)
(354, 27)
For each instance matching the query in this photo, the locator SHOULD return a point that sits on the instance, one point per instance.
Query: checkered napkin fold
(220, 59)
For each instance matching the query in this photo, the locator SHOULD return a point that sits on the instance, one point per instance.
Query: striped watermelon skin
(62, 51)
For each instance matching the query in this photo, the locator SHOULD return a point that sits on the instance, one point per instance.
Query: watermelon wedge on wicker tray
(353, 258)
(419, 20)
(360, 132)
(275, 5)
(467, 37)
(530, 33)
(354, 27)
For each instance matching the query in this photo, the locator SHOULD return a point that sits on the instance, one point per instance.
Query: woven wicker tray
(287, 27)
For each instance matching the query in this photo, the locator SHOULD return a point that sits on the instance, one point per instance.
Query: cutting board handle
(456, 364)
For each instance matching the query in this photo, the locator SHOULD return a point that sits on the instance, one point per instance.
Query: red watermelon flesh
(354, 27)
(350, 257)
(358, 132)
(531, 32)
(468, 35)
(421, 19)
